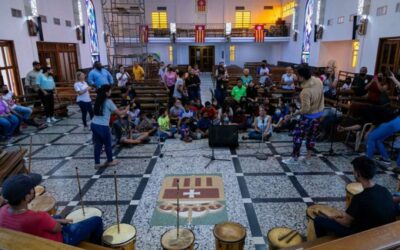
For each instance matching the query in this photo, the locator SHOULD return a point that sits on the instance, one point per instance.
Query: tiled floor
(260, 194)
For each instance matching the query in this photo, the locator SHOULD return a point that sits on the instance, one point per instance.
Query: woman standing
(169, 81)
(46, 85)
(103, 107)
(122, 76)
(222, 80)
(83, 97)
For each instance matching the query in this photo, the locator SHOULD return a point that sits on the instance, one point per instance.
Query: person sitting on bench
(18, 191)
(371, 208)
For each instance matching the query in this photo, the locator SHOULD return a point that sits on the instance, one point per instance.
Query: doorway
(388, 55)
(61, 57)
(9, 74)
(202, 56)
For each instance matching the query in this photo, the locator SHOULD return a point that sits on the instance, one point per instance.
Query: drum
(78, 216)
(124, 240)
(44, 203)
(351, 190)
(229, 235)
(184, 242)
(39, 190)
(318, 210)
(283, 237)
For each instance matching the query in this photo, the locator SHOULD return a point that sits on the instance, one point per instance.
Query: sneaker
(48, 120)
(290, 161)
(385, 161)
(53, 119)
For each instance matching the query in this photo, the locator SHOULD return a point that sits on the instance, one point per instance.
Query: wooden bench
(12, 163)
(8, 241)
(60, 107)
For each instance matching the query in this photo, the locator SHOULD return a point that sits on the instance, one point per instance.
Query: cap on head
(15, 188)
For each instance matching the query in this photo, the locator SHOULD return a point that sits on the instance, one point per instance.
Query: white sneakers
(51, 119)
(293, 161)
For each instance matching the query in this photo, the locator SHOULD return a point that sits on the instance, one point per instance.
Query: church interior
(199, 124)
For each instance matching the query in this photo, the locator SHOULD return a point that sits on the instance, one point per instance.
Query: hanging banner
(144, 33)
(200, 33)
(259, 33)
(201, 5)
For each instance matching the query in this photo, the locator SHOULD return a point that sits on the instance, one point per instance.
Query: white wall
(340, 51)
(16, 29)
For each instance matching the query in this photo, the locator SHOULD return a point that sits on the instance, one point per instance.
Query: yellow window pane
(159, 20)
(232, 53)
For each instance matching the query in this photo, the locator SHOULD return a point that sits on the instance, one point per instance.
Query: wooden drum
(186, 239)
(44, 203)
(229, 235)
(283, 237)
(351, 190)
(124, 240)
(318, 210)
(78, 216)
(39, 190)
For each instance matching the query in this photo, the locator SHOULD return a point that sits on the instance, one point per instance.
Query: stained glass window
(94, 39)
(305, 54)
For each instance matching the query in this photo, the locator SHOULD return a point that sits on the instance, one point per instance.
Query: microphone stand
(260, 155)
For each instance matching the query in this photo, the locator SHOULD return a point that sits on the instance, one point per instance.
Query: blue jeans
(324, 226)
(220, 95)
(101, 136)
(256, 135)
(90, 229)
(164, 135)
(9, 124)
(25, 112)
(86, 107)
(377, 136)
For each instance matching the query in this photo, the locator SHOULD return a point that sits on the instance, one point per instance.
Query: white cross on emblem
(191, 193)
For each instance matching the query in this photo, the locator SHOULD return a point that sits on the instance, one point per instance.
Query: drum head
(111, 237)
(229, 232)
(321, 209)
(78, 216)
(354, 188)
(39, 190)
(276, 233)
(185, 240)
(42, 203)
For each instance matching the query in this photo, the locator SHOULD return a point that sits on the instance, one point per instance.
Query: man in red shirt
(210, 110)
(18, 191)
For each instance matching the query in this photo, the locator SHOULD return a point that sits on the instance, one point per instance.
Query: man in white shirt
(122, 76)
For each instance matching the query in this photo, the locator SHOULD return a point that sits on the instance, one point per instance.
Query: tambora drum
(351, 190)
(318, 210)
(185, 241)
(283, 237)
(124, 240)
(39, 190)
(44, 203)
(229, 235)
(78, 216)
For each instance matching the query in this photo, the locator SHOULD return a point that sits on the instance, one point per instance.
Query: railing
(218, 30)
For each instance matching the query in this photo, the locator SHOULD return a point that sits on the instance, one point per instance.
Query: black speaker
(223, 136)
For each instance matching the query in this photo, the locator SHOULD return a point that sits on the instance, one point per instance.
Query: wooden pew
(60, 107)
(8, 241)
(12, 163)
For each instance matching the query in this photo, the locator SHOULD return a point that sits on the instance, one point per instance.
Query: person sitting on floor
(165, 130)
(127, 95)
(175, 111)
(239, 92)
(185, 129)
(19, 191)
(239, 118)
(125, 133)
(246, 78)
(210, 110)
(203, 125)
(373, 207)
(147, 124)
(262, 126)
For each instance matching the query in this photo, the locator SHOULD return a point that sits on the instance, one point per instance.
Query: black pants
(48, 102)
(86, 107)
(171, 96)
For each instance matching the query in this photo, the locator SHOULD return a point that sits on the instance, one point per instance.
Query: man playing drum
(18, 191)
(371, 208)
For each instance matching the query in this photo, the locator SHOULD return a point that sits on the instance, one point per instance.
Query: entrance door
(9, 74)
(202, 56)
(388, 55)
(61, 57)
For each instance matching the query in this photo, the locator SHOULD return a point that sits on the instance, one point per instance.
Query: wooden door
(202, 56)
(61, 57)
(388, 55)
(9, 74)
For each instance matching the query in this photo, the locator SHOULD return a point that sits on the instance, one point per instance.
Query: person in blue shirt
(99, 76)
(46, 89)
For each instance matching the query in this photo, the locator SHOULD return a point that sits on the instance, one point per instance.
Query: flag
(200, 34)
(259, 33)
(201, 5)
(144, 33)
